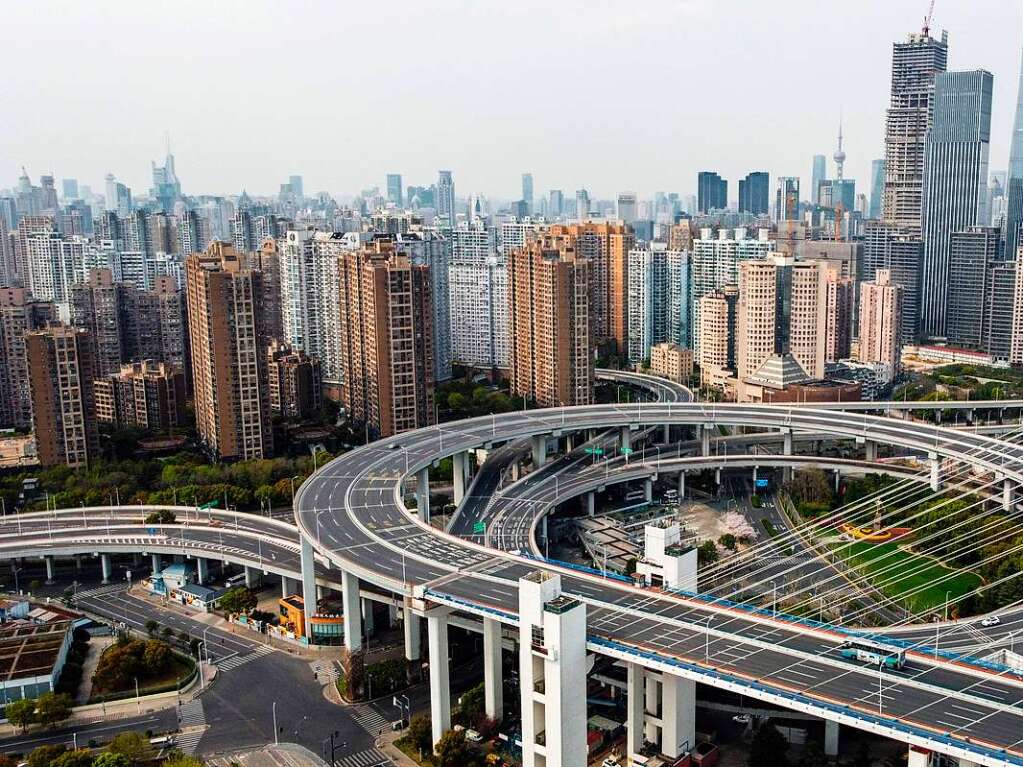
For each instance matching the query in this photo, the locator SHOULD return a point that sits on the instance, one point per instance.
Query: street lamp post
(277, 740)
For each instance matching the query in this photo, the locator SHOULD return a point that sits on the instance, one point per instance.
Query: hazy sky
(607, 95)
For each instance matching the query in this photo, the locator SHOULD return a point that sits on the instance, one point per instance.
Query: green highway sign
(595, 451)
(479, 528)
(626, 450)
(210, 505)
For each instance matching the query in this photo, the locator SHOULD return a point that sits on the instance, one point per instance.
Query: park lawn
(918, 583)
(180, 668)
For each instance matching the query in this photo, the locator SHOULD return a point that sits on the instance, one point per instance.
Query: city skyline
(464, 132)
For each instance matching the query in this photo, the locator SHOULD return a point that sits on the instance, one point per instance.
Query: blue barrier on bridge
(894, 724)
(471, 605)
(578, 568)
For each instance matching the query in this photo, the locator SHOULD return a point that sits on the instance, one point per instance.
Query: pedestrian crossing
(191, 714)
(368, 758)
(99, 591)
(326, 671)
(369, 719)
(240, 660)
(188, 742)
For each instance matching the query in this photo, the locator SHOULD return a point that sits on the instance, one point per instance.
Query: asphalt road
(164, 720)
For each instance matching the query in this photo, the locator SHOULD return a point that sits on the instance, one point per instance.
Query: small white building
(667, 562)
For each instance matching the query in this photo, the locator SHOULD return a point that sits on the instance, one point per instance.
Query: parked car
(991, 620)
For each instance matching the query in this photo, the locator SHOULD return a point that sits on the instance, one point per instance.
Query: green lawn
(919, 583)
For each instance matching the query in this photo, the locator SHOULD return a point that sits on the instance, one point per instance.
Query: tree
(237, 600)
(21, 713)
(53, 707)
(769, 747)
(132, 745)
(107, 759)
(813, 756)
(728, 541)
(43, 756)
(473, 703)
(353, 670)
(452, 750)
(161, 517)
(707, 554)
(81, 757)
(420, 733)
(177, 759)
(8, 761)
(151, 627)
(156, 656)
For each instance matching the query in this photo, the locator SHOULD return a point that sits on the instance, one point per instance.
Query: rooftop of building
(30, 649)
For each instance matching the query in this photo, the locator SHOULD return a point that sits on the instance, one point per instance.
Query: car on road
(610, 762)
(393, 446)
(991, 620)
(742, 719)
(473, 737)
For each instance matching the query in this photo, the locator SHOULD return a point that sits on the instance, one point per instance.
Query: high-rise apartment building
(61, 371)
(607, 248)
(527, 192)
(711, 192)
(266, 259)
(394, 189)
(142, 395)
(98, 306)
(818, 173)
(754, 193)
(432, 249)
(1001, 310)
(295, 382)
(876, 189)
(955, 181)
(786, 199)
(901, 253)
(19, 314)
(626, 208)
(1014, 179)
(549, 305)
(840, 301)
(671, 361)
(972, 254)
(445, 198)
(228, 348)
(715, 263)
(880, 322)
(781, 311)
(717, 332)
(658, 301)
(914, 66)
(386, 340)
(478, 298)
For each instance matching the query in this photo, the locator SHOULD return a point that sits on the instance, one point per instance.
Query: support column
(666, 434)
(440, 683)
(634, 710)
(870, 450)
(717, 476)
(458, 463)
(78, 563)
(249, 579)
(787, 441)
(591, 503)
(935, 472)
(287, 587)
(353, 618)
(651, 698)
(413, 634)
(368, 621)
(493, 678)
(104, 560)
(705, 440)
(625, 437)
(308, 565)
(681, 485)
(918, 757)
(831, 730)
(569, 443)
(423, 494)
(155, 558)
(321, 592)
(648, 489)
(539, 450)
(49, 569)
(678, 715)
(202, 574)
(1006, 494)
(515, 471)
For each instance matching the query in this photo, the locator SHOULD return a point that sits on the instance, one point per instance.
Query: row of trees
(128, 660)
(127, 749)
(48, 709)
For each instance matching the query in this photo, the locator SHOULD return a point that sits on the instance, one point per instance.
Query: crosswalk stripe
(240, 660)
(99, 591)
(188, 742)
(192, 713)
(368, 758)
(369, 719)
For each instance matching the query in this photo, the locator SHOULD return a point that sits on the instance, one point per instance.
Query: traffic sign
(479, 528)
(595, 451)
(211, 505)
(627, 450)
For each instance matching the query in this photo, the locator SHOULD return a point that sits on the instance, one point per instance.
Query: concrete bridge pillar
(202, 571)
(515, 471)
(458, 475)
(681, 485)
(705, 439)
(569, 442)
(423, 494)
(870, 450)
(591, 503)
(353, 616)
(104, 561)
(786, 441)
(648, 489)
(440, 681)
(287, 587)
(155, 560)
(321, 592)
(413, 634)
(368, 620)
(1007, 500)
(635, 703)
(935, 472)
(666, 434)
(918, 757)
(678, 715)
(717, 476)
(539, 450)
(308, 565)
(831, 730)
(493, 680)
(49, 569)
(250, 579)
(78, 563)
(625, 437)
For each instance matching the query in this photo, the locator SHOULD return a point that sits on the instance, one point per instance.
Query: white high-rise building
(428, 247)
(478, 298)
(515, 234)
(658, 305)
(715, 263)
(445, 198)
